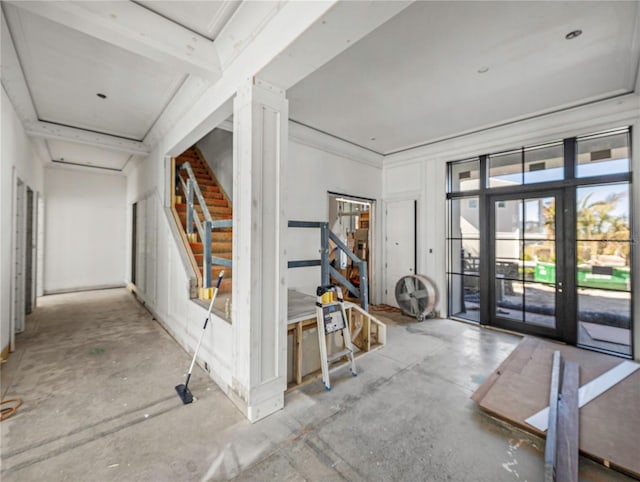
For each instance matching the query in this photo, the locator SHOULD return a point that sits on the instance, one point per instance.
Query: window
(603, 154)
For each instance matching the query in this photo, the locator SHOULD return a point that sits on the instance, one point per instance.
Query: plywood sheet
(608, 425)
(300, 307)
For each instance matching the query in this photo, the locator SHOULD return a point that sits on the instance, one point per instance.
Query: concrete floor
(96, 374)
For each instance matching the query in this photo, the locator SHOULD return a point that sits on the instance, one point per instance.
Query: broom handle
(213, 298)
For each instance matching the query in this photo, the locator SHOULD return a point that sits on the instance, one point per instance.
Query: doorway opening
(351, 219)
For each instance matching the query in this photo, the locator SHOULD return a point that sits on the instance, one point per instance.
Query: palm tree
(597, 227)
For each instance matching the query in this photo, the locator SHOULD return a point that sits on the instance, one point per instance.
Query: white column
(259, 314)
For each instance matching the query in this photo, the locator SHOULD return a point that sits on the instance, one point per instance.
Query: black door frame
(134, 242)
(563, 319)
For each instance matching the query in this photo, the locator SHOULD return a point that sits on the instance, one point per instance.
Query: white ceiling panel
(417, 78)
(83, 154)
(65, 70)
(206, 18)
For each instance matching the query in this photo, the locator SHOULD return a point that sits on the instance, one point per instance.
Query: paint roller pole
(183, 389)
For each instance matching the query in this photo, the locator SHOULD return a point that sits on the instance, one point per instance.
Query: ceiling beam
(13, 78)
(49, 130)
(136, 29)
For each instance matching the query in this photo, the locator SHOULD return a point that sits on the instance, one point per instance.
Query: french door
(527, 263)
(540, 241)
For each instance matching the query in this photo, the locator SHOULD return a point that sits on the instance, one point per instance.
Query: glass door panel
(603, 267)
(525, 262)
(463, 269)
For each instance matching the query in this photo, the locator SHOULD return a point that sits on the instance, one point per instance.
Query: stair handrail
(196, 188)
(191, 187)
(326, 270)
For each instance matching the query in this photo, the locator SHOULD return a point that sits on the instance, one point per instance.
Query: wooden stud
(298, 353)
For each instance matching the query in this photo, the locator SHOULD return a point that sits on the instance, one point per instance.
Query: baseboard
(85, 288)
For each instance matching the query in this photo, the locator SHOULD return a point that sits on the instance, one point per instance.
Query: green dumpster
(606, 277)
(545, 273)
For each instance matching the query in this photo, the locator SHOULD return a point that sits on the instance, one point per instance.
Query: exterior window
(603, 154)
(464, 257)
(505, 169)
(464, 176)
(544, 164)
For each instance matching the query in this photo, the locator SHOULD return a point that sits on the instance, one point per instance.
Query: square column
(259, 314)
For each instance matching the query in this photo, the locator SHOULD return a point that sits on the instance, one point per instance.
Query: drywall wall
(217, 148)
(18, 160)
(312, 172)
(428, 165)
(85, 229)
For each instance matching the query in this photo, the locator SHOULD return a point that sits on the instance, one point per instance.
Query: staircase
(219, 207)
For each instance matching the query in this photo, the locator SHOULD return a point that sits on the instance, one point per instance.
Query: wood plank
(300, 306)
(568, 425)
(515, 361)
(550, 444)
(608, 425)
(590, 390)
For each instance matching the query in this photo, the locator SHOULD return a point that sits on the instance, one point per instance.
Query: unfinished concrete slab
(97, 377)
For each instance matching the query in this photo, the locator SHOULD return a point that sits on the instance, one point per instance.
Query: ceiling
(436, 70)
(78, 80)
(440, 69)
(66, 69)
(204, 17)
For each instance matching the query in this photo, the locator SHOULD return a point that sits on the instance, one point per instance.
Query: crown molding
(585, 119)
(50, 130)
(313, 138)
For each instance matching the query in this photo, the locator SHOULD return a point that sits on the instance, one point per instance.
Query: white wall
(18, 159)
(217, 147)
(312, 172)
(85, 230)
(420, 173)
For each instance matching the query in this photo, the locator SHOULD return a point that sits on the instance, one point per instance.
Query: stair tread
(220, 209)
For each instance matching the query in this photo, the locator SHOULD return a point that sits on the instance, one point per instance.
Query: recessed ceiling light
(573, 34)
(483, 70)
(372, 138)
(102, 96)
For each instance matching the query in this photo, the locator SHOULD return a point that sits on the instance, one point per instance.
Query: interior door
(526, 262)
(400, 246)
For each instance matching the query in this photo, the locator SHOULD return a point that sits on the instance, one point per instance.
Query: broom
(183, 389)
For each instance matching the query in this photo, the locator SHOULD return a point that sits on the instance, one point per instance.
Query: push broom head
(184, 393)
